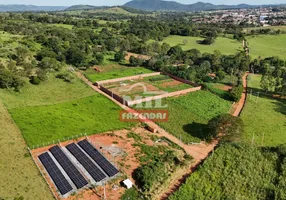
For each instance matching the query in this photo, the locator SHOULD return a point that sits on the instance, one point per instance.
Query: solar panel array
(90, 167)
(56, 175)
(107, 167)
(68, 166)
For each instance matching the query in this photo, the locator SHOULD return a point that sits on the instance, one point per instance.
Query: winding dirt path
(199, 152)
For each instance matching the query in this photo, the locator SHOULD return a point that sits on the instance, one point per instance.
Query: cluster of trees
(238, 171)
(147, 29)
(273, 70)
(265, 31)
(195, 66)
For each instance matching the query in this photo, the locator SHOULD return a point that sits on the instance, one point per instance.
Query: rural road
(199, 152)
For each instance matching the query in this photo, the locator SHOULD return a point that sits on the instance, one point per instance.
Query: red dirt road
(199, 151)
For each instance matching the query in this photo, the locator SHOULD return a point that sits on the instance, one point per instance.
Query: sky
(121, 2)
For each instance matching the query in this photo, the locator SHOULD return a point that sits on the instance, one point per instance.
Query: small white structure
(127, 183)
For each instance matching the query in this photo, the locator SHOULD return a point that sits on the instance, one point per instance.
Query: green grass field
(19, 175)
(48, 92)
(63, 25)
(189, 114)
(90, 115)
(264, 116)
(267, 46)
(4, 36)
(114, 71)
(224, 45)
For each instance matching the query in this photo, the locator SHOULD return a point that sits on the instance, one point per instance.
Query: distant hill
(175, 6)
(85, 7)
(21, 8)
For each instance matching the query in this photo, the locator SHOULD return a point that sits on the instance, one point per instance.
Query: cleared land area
(68, 26)
(48, 92)
(264, 117)
(189, 114)
(90, 115)
(19, 175)
(113, 71)
(148, 86)
(224, 45)
(267, 46)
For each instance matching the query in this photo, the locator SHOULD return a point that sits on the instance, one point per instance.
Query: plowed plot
(148, 86)
(134, 88)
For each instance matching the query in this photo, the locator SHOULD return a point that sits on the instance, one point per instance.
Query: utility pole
(104, 191)
(252, 139)
(263, 138)
(257, 97)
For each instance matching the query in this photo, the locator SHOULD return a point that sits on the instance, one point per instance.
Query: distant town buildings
(252, 17)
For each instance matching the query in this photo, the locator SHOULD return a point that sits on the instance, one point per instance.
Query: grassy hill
(224, 45)
(267, 46)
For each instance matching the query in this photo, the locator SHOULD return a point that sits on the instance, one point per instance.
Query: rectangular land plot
(107, 167)
(147, 86)
(58, 178)
(90, 115)
(69, 167)
(90, 167)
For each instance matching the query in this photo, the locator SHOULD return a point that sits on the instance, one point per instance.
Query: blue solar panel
(107, 167)
(55, 174)
(90, 167)
(68, 166)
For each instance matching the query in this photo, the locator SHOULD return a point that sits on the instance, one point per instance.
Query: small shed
(127, 183)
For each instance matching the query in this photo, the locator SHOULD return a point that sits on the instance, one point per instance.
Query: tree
(119, 56)
(226, 126)
(208, 41)
(99, 58)
(75, 56)
(10, 80)
(176, 52)
(185, 42)
(134, 62)
(50, 64)
(236, 92)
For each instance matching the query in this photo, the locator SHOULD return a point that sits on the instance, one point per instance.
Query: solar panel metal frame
(76, 177)
(107, 167)
(55, 173)
(85, 161)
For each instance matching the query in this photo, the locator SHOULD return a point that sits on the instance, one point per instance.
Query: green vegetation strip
(238, 171)
(90, 115)
(115, 73)
(264, 117)
(20, 176)
(189, 114)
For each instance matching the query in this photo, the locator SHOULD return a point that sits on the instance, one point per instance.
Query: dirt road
(199, 152)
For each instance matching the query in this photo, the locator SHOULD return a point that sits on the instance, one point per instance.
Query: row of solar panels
(80, 152)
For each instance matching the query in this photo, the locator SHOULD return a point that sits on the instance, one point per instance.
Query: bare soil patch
(118, 148)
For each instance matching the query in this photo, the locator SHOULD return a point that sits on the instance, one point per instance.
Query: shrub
(230, 128)
(35, 80)
(67, 77)
(236, 93)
